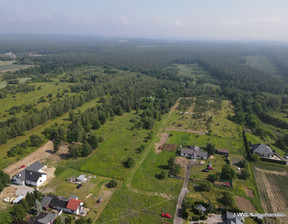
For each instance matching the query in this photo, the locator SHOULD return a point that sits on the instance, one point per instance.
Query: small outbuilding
(201, 208)
(81, 178)
(222, 152)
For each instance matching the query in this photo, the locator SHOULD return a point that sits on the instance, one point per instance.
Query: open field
(119, 143)
(272, 192)
(32, 97)
(6, 66)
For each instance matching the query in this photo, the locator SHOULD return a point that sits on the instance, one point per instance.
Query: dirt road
(185, 130)
(184, 190)
(45, 152)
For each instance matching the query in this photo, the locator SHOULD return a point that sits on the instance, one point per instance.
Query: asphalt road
(184, 190)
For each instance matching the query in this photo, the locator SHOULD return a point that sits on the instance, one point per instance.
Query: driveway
(214, 219)
(184, 190)
(22, 190)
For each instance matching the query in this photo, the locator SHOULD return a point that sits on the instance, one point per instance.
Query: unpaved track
(163, 138)
(143, 157)
(184, 191)
(185, 130)
(44, 152)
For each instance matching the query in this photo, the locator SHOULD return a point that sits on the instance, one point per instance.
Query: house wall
(41, 180)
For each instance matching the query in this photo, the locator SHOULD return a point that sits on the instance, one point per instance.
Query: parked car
(99, 200)
(78, 186)
(22, 166)
(166, 215)
(205, 170)
(210, 168)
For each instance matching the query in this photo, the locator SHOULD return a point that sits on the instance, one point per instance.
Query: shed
(18, 199)
(81, 178)
(222, 152)
(201, 208)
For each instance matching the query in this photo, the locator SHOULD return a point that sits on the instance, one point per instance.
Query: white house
(33, 175)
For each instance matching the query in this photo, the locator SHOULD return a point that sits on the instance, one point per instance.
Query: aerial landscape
(127, 119)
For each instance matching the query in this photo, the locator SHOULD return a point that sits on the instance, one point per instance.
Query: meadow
(9, 66)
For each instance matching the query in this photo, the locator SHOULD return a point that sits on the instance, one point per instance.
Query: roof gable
(35, 166)
(33, 175)
(262, 149)
(73, 204)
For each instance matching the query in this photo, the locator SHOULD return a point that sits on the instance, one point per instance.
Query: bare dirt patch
(173, 108)
(249, 192)
(163, 138)
(41, 154)
(244, 204)
(7, 192)
(50, 175)
(182, 161)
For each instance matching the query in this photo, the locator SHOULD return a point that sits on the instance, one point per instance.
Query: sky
(161, 19)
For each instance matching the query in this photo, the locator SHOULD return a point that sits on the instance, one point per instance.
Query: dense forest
(129, 72)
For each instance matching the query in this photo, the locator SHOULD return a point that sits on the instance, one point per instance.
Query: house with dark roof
(193, 152)
(69, 205)
(33, 175)
(43, 218)
(233, 218)
(262, 150)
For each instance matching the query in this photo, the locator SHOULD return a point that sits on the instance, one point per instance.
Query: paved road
(184, 190)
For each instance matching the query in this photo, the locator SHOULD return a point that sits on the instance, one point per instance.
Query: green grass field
(20, 99)
(119, 144)
(9, 66)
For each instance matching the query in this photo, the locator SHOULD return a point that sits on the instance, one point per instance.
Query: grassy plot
(32, 97)
(119, 143)
(9, 66)
(147, 173)
(128, 207)
(89, 192)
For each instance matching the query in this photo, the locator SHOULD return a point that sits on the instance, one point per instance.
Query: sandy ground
(50, 175)
(244, 204)
(163, 138)
(249, 192)
(7, 192)
(43, 153)
(173, 108)
(185, 130)
(182, 161)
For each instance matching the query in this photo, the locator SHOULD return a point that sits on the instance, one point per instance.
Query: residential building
(193, 152)
(33, 175)
(262, 150)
